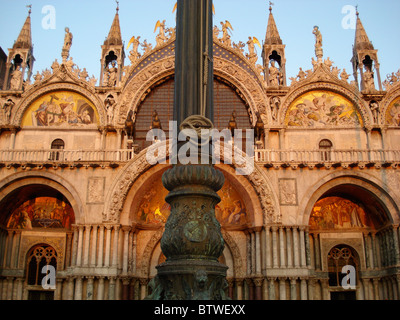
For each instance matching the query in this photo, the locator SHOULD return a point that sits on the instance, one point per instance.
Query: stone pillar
(268, 247)
(94, 246)
(68, 250)
(271, 288)
(59, 289)
(143, 288)
(108, 246)
(303, 289)
(70, 288)
(78, 288)
(86, 246)
(80, 244)
(293, 288)
(89, 288)
(303, 260)
(239, 289)
(250, 285)
(296, 247)
(258, 282)
(282, 247)
(115, 247)
(125, 288)
(231, 285)
(325, 291)
(111, 288)
(317, 252)
(282, 288)
(125, 261)
(100, 289)
(396, 245)
(275, 246)
(101, 244)
(258, 251)
(289, 246)
(311, 289)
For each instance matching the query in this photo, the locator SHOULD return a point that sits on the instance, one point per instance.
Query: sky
(90, 21)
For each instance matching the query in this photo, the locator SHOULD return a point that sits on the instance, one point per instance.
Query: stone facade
(324, 191)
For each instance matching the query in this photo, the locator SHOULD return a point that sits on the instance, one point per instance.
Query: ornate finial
(30, 9)
(270, 6)
(117, 5)
(357, 13)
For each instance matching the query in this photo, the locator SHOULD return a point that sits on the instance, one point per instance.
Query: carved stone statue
(375, 110)
(67, 44)
(368, 80)
(273, 75)
(232, 123)
(110, 104)
(344, 75)
(259, 128)
(318, 43)
(275, 104)
(8, 105)
(16, 78)
(113, 70)
(156, 123)
(130, 126)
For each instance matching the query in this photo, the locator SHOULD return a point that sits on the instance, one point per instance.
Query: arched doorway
(352, 226)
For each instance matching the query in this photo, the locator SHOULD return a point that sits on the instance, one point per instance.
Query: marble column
(258, 251)
(68, 250)
(293, 288)
(271, 288)
(78, 288)
(282, 247)
(59, 289)
(303, 260)
(100, 289)
(89, 288)
(108, 246)
(268, 247)
(94, 246)
(258, 282)
(239, 289)
(80, 244)
(86, 246)
(296, 247)
(274, 247)
(125, 255)
(251, 287)
(289, 245)
(101, 244)
(115, 247)
(111, 288)
(303, 289)
(282, 288)
(125, 288)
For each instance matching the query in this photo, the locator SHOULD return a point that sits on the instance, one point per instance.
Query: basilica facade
(317, 219)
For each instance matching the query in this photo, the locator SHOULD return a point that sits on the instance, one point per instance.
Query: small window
(325, 146)
(339, 257)
(57, 144)
(39, 257)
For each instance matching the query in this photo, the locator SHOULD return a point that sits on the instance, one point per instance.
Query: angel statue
(134, 54)
(161, 38)
(252, 55)
(226, 28)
